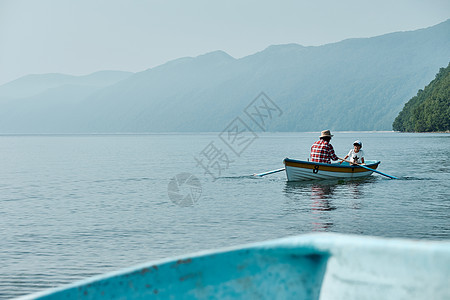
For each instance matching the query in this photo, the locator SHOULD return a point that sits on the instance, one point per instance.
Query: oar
(362, 166)
(268, 172)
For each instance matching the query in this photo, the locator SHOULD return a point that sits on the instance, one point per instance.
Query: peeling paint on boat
(314, 266)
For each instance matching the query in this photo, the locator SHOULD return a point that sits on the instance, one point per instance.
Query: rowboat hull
(298, 170)
(329, 266)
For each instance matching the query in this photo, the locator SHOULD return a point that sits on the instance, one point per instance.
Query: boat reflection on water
(318, 200)
(321, 196)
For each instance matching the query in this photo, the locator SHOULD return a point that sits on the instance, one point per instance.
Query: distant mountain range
(355, 84)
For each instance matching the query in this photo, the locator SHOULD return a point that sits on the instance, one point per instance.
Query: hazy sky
(84, 36)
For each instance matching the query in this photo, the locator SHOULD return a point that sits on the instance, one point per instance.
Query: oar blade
(381, 173)
(268, 172)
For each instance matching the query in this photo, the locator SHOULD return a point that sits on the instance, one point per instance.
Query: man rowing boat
(322, 151)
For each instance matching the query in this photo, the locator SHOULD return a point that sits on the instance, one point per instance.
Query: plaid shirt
(322, 152)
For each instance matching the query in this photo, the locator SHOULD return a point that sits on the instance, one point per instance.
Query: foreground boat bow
(329, 266)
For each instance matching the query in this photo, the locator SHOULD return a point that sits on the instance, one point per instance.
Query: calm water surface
(76, 206)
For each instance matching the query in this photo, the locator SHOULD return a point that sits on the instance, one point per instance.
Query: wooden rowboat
(298, 170)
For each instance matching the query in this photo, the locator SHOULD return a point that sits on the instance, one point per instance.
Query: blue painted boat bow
(312, 266)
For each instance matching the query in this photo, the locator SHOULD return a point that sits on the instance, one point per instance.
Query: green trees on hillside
(429, 110)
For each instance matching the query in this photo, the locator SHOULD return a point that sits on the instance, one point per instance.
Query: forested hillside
(429, 110)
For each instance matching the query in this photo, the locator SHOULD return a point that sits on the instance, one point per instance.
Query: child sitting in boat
(356, 154)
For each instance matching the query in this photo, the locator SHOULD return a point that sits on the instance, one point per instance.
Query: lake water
(77, 206)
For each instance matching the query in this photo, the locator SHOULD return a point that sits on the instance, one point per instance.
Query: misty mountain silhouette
(355, 84)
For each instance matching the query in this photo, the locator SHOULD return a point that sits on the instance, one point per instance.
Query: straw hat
(325, 133)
